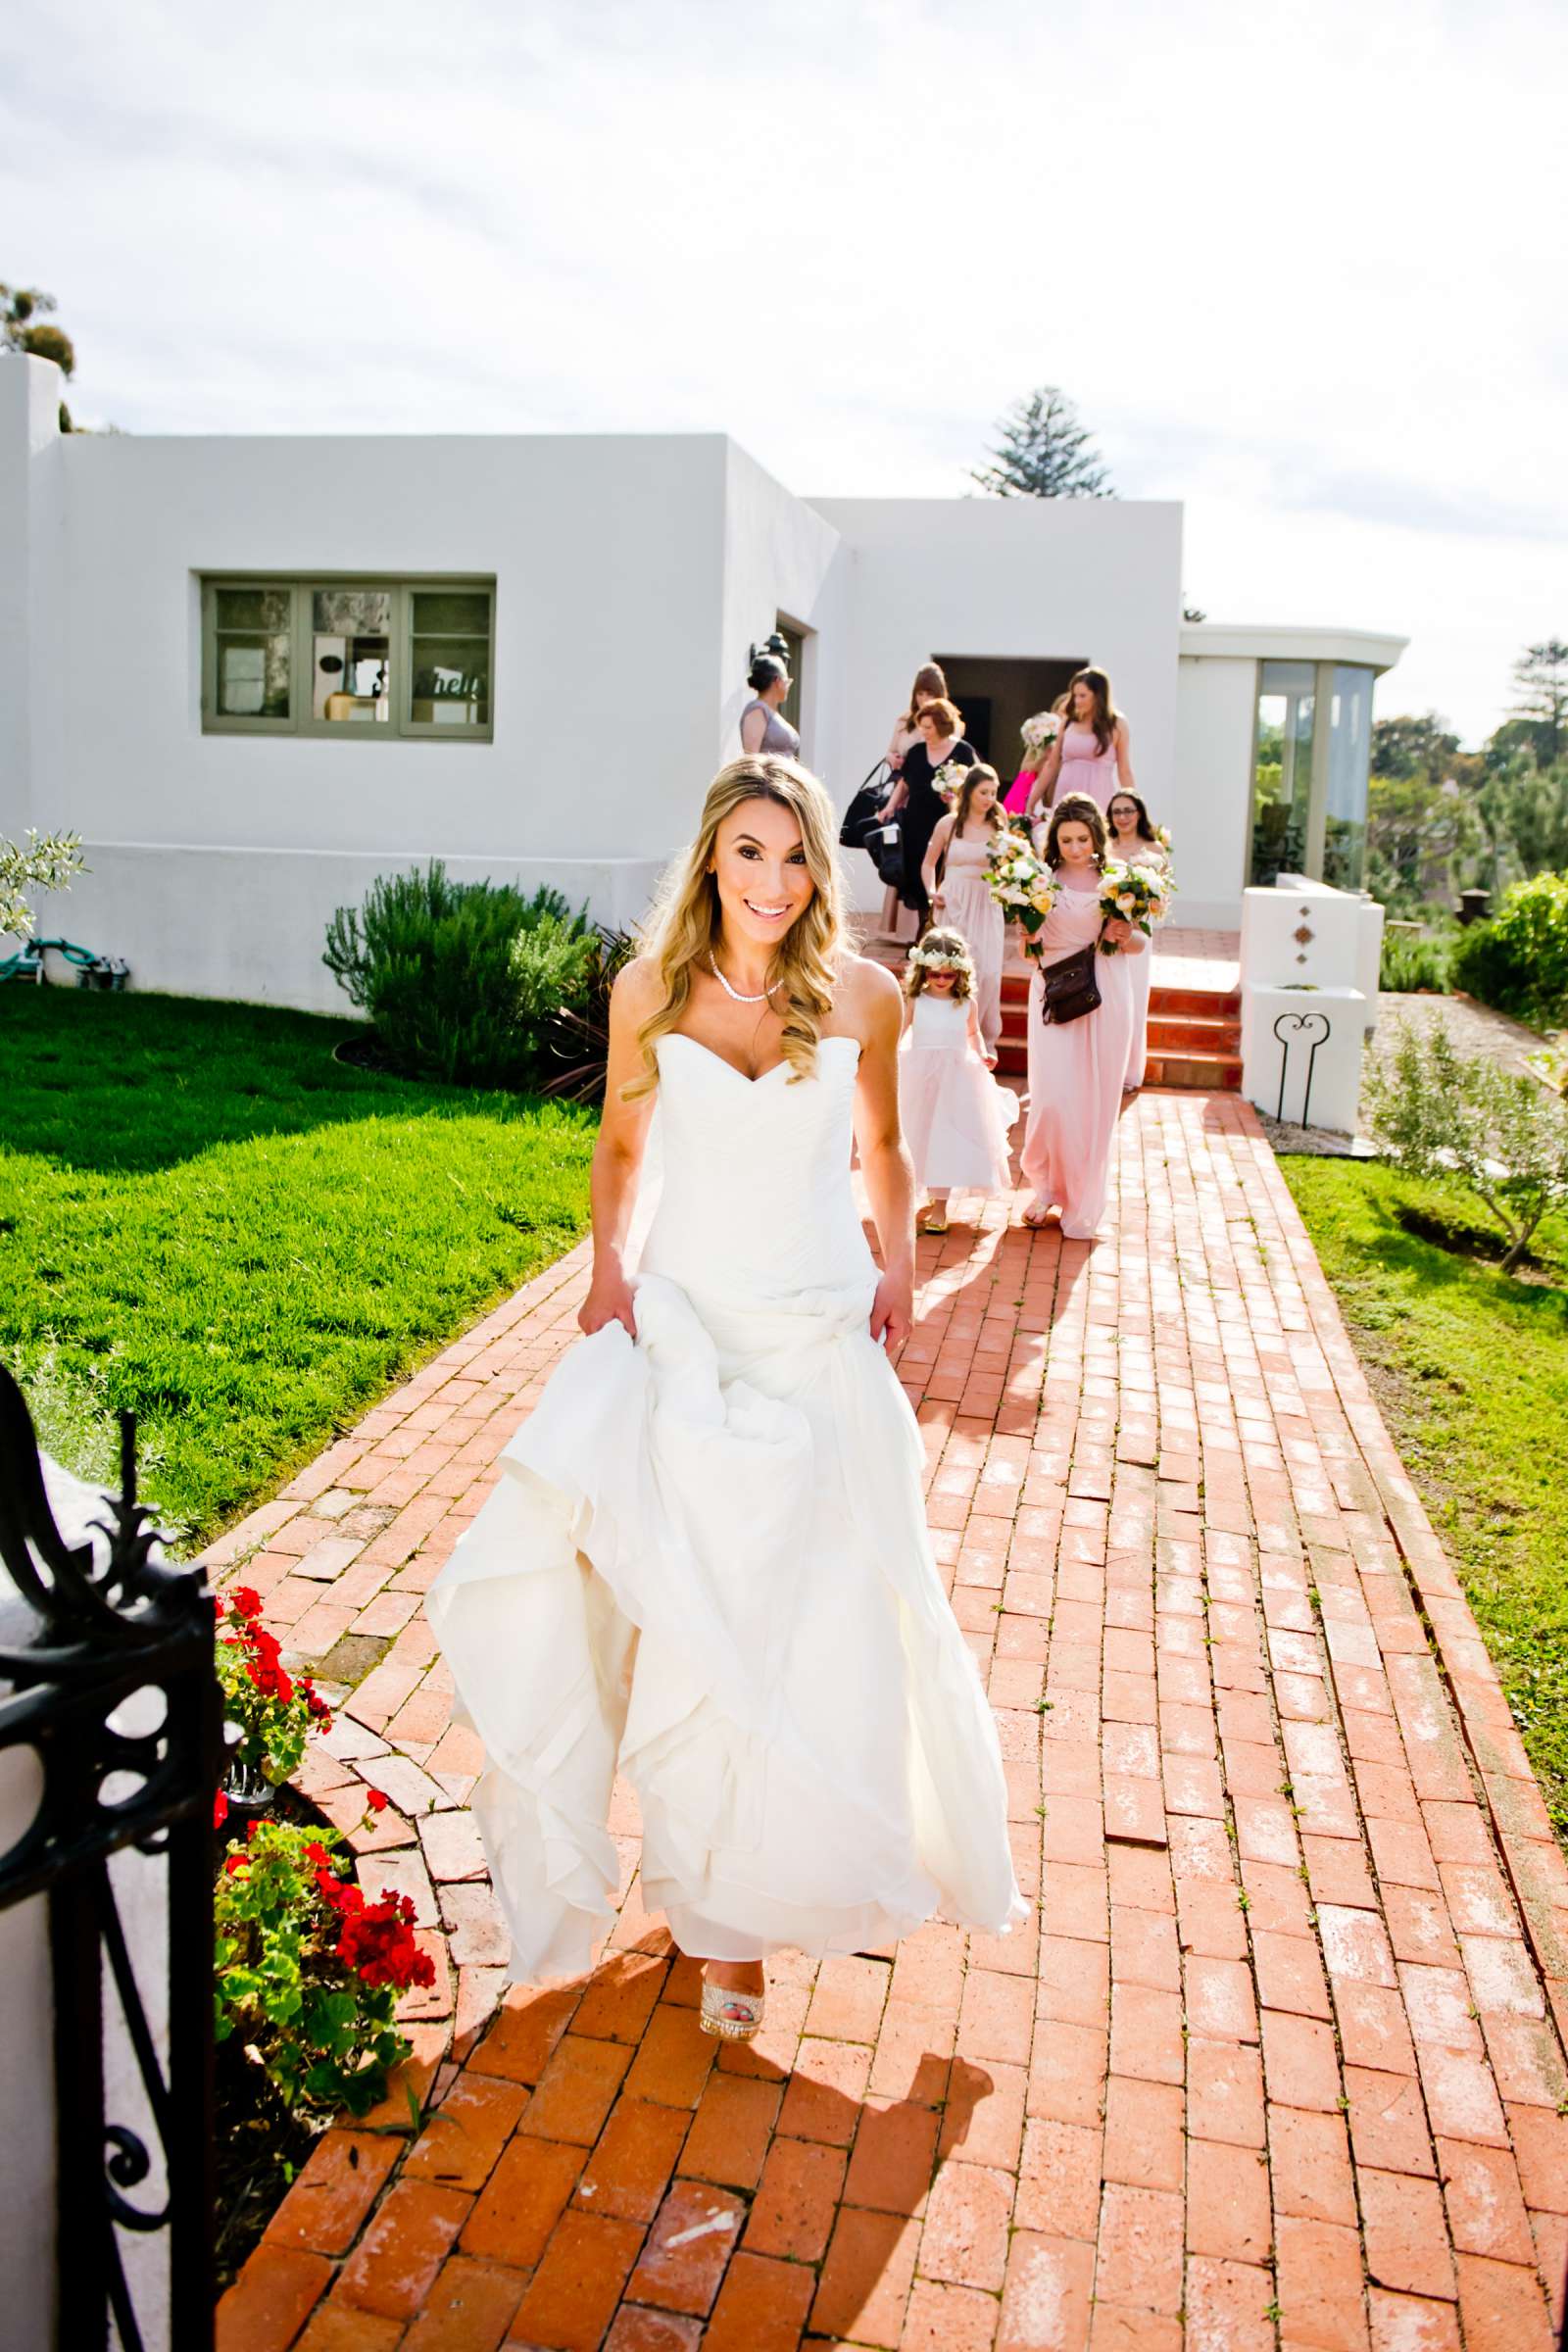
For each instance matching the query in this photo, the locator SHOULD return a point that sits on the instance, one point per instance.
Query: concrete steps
(1194, 1035)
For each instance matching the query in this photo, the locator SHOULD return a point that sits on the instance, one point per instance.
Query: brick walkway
(1279, 2067)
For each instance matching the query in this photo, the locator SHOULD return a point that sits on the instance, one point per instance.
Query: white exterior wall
(632, 573)
(215, 860)
(1013, 578)
(1211, 832)
(780, 557)
(32, 563)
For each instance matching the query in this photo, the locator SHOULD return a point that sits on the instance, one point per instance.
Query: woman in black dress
(916, 804)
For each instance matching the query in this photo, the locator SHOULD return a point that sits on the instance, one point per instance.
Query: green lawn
(203, 1216)
(1471, 1370)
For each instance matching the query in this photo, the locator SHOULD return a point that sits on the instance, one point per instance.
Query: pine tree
(1044, 453)
(1541, 675)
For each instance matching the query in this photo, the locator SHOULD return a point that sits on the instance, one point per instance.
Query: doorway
(795, 654)
(996, 695)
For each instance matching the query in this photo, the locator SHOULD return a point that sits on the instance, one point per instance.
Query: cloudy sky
(1299, 267)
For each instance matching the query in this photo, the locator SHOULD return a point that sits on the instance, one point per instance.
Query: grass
(1470, 1367)
(203, 1216)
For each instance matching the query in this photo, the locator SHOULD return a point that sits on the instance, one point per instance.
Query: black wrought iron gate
(114, 1691)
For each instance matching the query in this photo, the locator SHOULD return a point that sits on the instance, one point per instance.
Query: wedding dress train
(707, 1562)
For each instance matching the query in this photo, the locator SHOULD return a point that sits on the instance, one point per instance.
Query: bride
(706, 1558)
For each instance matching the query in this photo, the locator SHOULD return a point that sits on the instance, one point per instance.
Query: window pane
(1349, 751)
(260, 608)
(351, 656)
(451, 613)
(1282, 781)
(253, 677)
(451, 681)
(348, 611)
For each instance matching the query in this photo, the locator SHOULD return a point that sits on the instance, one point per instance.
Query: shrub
(552, 965)
(432, 963)
(579, 1034)
(309, 1973)
(1519, 961)
(40, 861)
(1438, 1113)
(273, 1710)
(1414, 961)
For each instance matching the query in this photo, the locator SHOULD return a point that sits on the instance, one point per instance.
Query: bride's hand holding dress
(886, 1170)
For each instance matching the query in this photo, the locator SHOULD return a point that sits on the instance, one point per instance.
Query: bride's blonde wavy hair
(685, 926)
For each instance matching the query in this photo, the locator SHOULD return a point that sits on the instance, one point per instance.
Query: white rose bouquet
(1039, 734)
(949, 780)
(1022, 885)
(1135, 894)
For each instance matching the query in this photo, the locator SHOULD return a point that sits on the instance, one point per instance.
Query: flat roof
(1221, 641)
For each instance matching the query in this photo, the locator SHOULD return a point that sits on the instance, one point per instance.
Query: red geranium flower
(377, 1799)
(236, 1863)
(377, 1944)
(244, 1600)
(220, 1809)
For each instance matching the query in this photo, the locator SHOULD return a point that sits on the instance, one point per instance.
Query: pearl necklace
(735, 993)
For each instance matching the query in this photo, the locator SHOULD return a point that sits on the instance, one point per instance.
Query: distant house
(254, 674)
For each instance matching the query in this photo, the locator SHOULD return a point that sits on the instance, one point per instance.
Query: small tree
(1538, 820)
(21, 329)
(1409, 745)
(1438, 1113)
(1044, 453)
(1541, 675)
(42, 861)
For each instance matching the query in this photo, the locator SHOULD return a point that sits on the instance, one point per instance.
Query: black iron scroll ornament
(1301, 1024)
(119, 1626)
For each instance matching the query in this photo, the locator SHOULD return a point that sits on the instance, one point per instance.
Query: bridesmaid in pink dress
(1091, 755)
(1134, 841)
(964, 839)
(1076, 1068)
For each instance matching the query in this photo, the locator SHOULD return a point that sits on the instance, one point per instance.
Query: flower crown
(939, 959)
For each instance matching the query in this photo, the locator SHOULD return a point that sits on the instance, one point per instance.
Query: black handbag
(864, 814)
(886, 845)
(1070, 989)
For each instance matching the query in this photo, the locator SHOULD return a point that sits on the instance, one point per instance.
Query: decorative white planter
(1302, 1052)
(1309, 999)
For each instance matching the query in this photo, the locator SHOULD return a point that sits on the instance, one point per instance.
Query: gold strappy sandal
(733, 2016)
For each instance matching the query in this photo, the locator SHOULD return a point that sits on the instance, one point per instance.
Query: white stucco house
(254, 674)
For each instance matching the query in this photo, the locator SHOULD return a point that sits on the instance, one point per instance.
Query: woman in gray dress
(762, 731)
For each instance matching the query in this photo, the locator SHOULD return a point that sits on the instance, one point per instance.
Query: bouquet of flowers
(949, 780)
(1022, 885)
(1137, 894)
(1039, 734)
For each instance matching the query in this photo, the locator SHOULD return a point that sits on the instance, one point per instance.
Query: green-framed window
(365, 659)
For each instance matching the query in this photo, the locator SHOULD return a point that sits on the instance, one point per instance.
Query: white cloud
(1299, 268)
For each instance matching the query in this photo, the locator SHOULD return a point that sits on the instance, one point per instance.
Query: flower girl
(955, 1116)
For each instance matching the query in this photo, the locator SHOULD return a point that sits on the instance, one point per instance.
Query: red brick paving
(1281, 2066)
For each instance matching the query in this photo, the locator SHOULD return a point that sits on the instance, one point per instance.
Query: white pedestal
(1280, 1029)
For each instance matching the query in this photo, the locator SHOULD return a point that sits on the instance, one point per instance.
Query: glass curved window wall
(1311, 747)
(1349, 758)
(1282, 767)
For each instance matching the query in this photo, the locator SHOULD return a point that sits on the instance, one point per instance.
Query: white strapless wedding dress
(707, 1562)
